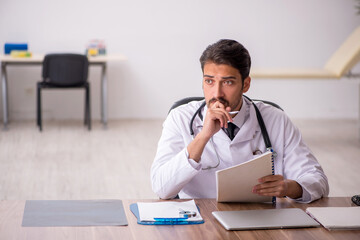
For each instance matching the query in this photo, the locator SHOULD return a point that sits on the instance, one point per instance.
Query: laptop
(265, 219)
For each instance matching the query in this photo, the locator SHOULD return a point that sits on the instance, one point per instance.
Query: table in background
(11, 213)
(7, 60)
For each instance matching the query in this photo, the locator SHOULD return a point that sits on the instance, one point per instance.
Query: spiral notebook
(228, 187)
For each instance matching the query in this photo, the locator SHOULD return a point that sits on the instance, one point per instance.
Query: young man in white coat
(185, 163)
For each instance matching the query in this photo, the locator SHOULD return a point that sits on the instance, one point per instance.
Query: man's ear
(246, 86)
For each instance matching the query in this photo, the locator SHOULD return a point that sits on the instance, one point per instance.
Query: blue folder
(8, 47)
(135, 210)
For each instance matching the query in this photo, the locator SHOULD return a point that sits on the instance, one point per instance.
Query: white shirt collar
(242, 116)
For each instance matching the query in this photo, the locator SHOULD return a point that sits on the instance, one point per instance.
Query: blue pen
(171, 221)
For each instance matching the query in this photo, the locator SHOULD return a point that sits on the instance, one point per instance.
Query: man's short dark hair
(228, 52)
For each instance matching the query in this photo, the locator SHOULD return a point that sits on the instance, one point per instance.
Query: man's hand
(217, 117)
(277, 186)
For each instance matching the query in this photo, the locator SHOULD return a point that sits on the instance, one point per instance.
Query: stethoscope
(261, 124)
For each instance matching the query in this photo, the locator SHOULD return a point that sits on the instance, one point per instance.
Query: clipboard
(135, 210)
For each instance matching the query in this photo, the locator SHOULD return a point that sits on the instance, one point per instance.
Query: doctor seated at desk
(185, 163)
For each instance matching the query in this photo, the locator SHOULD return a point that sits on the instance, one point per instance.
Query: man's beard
(224, 102)
(221, 100)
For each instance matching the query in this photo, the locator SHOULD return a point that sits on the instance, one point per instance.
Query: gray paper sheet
(65, 213)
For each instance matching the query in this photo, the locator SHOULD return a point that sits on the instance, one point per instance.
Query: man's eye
(228, 82)
(208, 81)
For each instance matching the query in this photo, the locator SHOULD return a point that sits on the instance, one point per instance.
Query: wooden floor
(66, 161)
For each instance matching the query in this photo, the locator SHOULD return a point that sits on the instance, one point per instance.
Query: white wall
(163, 41)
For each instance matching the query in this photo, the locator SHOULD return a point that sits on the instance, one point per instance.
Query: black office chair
(185, 101)
(65, 71)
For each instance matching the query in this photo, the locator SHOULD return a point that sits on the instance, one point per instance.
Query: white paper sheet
(149, 211)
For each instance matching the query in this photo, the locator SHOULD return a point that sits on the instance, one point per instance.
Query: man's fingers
(218, 104)
(272, 188)
(215, 116)
(271, 178)
(266, 185)
(222, 119)
(278, 191)
(221, 115)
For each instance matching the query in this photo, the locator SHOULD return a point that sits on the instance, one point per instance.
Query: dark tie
(231, 130)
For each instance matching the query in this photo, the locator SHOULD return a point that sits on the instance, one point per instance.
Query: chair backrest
(347, 56)
(185, 101)
(189, 99)
(65, 69)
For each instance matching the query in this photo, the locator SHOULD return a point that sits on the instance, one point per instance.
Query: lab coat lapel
(222, 135)
(248, 129)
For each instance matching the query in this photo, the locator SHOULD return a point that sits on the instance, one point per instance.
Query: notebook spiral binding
(273, 155)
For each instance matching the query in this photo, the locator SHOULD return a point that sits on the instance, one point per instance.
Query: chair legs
(38, 107)
(87, 118)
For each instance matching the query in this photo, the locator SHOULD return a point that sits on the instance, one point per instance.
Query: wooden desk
(7, 60)
(11, 213)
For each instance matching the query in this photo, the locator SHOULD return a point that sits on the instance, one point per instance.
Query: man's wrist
(294, 189)
(203, 136)
(196, 147)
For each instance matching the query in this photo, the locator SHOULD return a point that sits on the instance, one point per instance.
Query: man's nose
(218, 91)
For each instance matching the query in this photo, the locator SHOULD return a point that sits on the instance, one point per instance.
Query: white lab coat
(173, 173)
